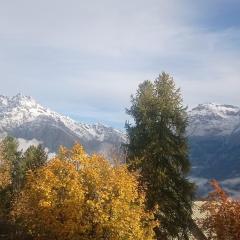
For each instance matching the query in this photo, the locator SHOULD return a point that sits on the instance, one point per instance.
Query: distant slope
(214, 140)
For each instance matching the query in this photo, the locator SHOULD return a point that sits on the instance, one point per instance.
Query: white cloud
(25, 144)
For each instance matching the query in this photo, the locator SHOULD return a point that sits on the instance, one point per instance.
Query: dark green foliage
(20, 163)
(11, 153)
(31, 159)
(158, 150)
(34, 157)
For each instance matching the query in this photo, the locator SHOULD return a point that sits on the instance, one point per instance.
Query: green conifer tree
(158, 149)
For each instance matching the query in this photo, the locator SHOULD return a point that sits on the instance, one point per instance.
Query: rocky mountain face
(213, 133)
(214, 140)
(22, 117)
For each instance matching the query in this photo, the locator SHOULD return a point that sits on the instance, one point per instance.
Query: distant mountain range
(22, 117)
(213, 133)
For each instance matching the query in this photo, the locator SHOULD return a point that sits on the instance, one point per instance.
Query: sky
(85, 58)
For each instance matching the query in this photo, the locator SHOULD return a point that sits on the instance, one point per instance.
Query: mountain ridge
(21, 109)
(213, 135)
(213, 119)
(18, 114)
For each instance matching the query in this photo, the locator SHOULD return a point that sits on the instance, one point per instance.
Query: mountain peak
(21, 99)
(21, 96)
(22, 113)
(215, 109)
(213, 119)
(17, 101)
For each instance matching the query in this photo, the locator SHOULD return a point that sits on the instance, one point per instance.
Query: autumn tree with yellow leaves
(77, 196)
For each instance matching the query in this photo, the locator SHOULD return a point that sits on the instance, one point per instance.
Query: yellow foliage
(77, 196)
(5, 170)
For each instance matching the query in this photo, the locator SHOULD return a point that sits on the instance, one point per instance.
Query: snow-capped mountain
(22, 117)
(213, 133)
(214, 140)
(213, 119)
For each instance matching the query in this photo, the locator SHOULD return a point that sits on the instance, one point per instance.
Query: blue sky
(85, 58)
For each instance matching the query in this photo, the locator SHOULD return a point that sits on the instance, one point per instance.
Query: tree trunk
(196, 231)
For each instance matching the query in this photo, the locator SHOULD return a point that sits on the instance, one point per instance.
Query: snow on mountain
(214, 135)
(205, 119)
(22, 109)
(213, 119)
(214, 143)
(18, 114)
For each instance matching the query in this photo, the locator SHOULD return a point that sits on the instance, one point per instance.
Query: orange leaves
(77, 196)
(223, 215)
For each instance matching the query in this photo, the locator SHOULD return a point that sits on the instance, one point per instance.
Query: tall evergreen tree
(158, 149)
